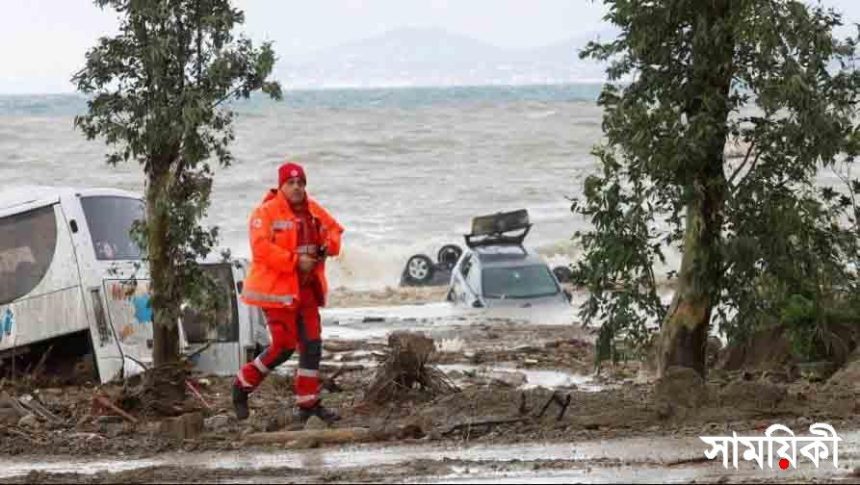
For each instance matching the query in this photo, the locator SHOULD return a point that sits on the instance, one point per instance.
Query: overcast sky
(44, 41)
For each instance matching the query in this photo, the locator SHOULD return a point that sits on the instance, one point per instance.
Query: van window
(210, 324)
(110, 220)
(27, 244)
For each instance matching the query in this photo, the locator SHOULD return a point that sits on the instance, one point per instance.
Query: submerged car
(498, 270)
(421, 270)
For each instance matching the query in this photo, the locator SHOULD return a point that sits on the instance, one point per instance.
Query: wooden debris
(562, 403)
(105, 403)
(688, 461)
(523, 409)
(38, 409)
(197, 394)
(469, 425)
(330, 384)
(40, 366)
(7, 401)
(405, 366)
(341, 345)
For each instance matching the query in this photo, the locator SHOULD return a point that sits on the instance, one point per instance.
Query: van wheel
(419, 269)
(563, 274)
(448, 255)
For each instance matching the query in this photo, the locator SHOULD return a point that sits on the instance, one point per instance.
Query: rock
(752, 395)
(664, 410)
(28, 421)
(7, 401)
(217, 423)
(111, 426)
(108, 419)
(509, 379)
(193, 425)
(9, 416)
(173, 428)
(816, 371)
(681, 386)
(452, 345)
(150, 427)
(275, 423)
(315, 423)
(112, 430)
(185, 427)
(776, 376)
(849, 375)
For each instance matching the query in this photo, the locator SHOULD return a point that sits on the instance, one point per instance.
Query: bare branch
(741, 166)
(746, 176)
(227, 97)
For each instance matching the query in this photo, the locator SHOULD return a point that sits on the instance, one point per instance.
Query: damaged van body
(71, 274)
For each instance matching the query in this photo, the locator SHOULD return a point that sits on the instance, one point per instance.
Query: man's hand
(306, 263)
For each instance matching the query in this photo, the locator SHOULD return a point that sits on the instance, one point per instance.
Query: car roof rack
(495, 229)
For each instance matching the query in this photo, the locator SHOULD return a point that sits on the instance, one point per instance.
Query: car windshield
(518, 282)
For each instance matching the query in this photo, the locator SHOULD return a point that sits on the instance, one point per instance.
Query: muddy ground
(507, 372)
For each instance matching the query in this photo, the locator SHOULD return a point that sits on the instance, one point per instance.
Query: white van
(71, 276)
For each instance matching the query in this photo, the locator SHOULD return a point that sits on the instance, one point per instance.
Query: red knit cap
(290, 170)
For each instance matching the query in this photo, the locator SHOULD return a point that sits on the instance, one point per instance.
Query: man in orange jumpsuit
(291, 235)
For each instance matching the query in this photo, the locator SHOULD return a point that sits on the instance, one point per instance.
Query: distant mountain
(400, 46)
(435, 57)
(568, 50)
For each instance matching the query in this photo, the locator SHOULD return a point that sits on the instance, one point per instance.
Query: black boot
(327, 415)
(240, 402)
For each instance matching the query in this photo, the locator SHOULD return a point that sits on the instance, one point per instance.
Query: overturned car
(421, 270)
(498, 270)
(73, 283)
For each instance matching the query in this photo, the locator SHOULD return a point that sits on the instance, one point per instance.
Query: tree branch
(741, 166)
(225, 98)
(741, 181)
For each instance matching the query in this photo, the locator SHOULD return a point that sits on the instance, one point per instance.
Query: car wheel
(563, 274)
(419, 269)
(448, 255)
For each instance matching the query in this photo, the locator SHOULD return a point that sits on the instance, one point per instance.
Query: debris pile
(405, 366)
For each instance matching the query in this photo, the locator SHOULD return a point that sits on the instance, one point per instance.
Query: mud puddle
(664, 459)
(508, 375)
(550, 379)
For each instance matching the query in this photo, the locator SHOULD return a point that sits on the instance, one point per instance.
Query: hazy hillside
(411, 57)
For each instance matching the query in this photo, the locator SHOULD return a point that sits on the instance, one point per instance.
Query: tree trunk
(165, 304)
(684, 331)
(683, 335)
